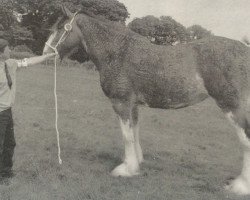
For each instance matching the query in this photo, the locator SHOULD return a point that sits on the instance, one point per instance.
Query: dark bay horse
(135, 72)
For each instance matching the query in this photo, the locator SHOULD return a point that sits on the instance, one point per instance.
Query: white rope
(56, 117)
(55, 81)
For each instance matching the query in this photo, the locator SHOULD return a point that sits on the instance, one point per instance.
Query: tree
(43, 13)
(111, 9)
(6, 20)
(163, 30)
(21, 35)
(198, 32)
(145, 26)
(6, 17)
(37, 14)
(9, 28)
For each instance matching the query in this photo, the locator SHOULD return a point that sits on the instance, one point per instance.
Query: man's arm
(34, 60)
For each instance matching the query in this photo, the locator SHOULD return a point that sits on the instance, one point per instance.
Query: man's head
(4, 48)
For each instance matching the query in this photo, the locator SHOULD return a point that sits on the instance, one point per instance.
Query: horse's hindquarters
(223, 66)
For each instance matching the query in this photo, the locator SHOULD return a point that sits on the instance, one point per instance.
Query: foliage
(20, 55)
(145, 26)
(198, 32)
(6, 18)
(110, 9)
(41, 14)
(21, 35)
(6, 21)
(38, 15)
(163, 30)
(22, 48)
(10, 29)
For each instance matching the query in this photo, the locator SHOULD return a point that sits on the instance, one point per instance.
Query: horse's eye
(61, 23)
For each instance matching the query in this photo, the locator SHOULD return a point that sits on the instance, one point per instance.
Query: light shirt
(7, 95)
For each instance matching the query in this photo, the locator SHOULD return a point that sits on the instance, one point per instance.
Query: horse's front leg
(130, 165)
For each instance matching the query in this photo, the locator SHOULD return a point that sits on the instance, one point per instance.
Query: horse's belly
(170, 101)
(176, 92)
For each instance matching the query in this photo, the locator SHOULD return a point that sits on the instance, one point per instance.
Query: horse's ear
(67, 12)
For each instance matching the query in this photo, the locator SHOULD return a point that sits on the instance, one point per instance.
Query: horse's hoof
(239, 186)
(125, 171)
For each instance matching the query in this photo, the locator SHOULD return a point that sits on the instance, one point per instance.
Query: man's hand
(51, 54)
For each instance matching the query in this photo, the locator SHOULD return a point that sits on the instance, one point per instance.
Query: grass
(189, 153)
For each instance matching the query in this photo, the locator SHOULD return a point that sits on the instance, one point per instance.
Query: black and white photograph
(124, 100)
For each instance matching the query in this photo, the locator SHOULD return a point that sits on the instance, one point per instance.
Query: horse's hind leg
(234, 108)
(241, 185)
(136, 132)
(130, 165)
(230, 89)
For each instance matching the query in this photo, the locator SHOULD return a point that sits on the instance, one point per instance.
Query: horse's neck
(103, 42)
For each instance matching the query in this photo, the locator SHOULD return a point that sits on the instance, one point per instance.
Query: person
(8, 69)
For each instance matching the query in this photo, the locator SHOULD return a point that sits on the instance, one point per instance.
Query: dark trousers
(7, 140)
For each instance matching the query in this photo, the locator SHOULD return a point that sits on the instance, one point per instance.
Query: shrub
(21, 55)
(22, 48)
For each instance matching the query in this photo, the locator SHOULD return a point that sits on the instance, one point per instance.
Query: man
(8, 69)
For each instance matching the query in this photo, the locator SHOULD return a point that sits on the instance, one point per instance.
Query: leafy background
(37, 16)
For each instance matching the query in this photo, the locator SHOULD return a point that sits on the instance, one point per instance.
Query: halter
(67, 29)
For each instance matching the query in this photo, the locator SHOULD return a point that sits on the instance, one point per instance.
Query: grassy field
(189, 153)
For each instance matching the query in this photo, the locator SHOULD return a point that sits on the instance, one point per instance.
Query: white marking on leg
(241, 185)
(130, 166)
(137, 144)
(240, 131)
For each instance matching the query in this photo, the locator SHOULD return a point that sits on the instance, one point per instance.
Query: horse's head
(66, 35)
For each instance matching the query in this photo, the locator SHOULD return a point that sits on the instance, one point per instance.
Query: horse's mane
(103, 19)
(91, 14)
(60, 21)
(117, 26)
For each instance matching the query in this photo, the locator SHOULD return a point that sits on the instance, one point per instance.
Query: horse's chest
(115, 84)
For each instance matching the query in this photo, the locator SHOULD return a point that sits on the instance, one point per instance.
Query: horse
(134, 72)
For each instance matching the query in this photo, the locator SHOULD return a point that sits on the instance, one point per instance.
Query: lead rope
(67, 28)
(56, 106)
(56, 117)
(55, 95)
